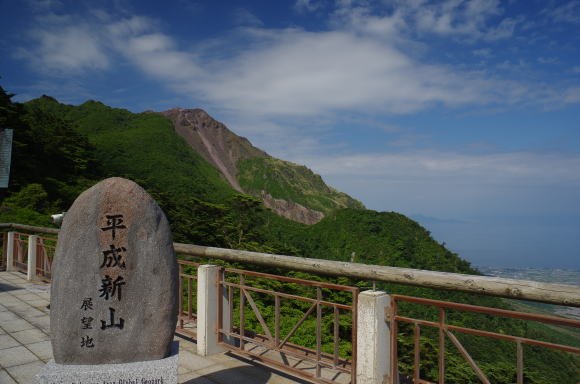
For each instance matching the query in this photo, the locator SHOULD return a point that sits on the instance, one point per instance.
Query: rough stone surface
(163, 371)
(84, 294)
(291, 210)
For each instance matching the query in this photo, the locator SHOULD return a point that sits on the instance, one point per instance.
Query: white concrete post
(207, 310)
(373, 343)
(10, 252)
(31, 264)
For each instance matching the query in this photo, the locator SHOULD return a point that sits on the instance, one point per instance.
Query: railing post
(4, 251)
(31, 266)
(207, 310)
(10, 252)
(373, 339)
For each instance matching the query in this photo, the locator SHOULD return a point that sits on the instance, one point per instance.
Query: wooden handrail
(29, 228)
(559, 294)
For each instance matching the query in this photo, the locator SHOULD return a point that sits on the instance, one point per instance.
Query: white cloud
(470, 19)
(71, 48)
(357, 65)
(285, 72)
(483, 52)
(301, 73)
(362, 20)
(450, 167)
(568, 12)
(307, 5)
(547, 60)
(572, 95)
(127, 27)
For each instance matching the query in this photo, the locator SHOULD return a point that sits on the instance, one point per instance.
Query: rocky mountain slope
(290, 190)
(213, 140)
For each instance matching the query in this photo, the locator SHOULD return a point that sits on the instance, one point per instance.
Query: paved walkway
(25, 345)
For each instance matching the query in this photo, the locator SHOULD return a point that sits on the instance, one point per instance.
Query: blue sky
(463, 114)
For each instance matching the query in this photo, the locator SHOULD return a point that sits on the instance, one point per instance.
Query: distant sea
(555, 276)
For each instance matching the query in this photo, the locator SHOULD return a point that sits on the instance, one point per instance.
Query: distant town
(555, 276)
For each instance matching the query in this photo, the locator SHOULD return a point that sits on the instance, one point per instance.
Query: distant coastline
(555, 276)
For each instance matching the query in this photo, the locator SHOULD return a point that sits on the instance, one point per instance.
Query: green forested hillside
(289, 181)
(60, 150)
(383, 238)
(142, 146)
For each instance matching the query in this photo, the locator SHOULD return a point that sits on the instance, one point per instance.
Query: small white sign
(5, 156)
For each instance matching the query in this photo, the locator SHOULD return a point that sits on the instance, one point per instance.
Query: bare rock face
(115, 284)
(214, 141)
(291, 210)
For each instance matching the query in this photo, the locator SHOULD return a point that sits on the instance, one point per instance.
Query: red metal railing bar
(277, 321)
(297, 325)
(189, 298)
(318, 330)
(394, 351)
(417, 363)
(494, 335)
(520, 362)
(259, 316)
(231, 306)
(43, 261)
(287, 295)
(220, 293)
(242, 317)
(326, 359)
(491, 311)
(190, 263)
(283, 366)
(336, 336)
(353, 338)
(4, 249)
(467, 357)
(292, 280)
(20, 250)
(441, 346)
(180, 298)
(186, 314)
(304, 351)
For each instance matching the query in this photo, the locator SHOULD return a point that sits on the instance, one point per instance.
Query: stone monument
(114, 291)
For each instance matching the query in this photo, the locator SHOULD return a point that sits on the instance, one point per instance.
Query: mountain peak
(213, 140)
(48, 99)
(290, 190)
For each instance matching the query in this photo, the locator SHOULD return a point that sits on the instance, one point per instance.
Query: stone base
(162, 371)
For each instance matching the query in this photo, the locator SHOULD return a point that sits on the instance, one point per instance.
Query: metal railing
(272, 345)
(4, 255)
(20, 258)
(187, 317)
(558, 294)
(445, 329)
(45, 249)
